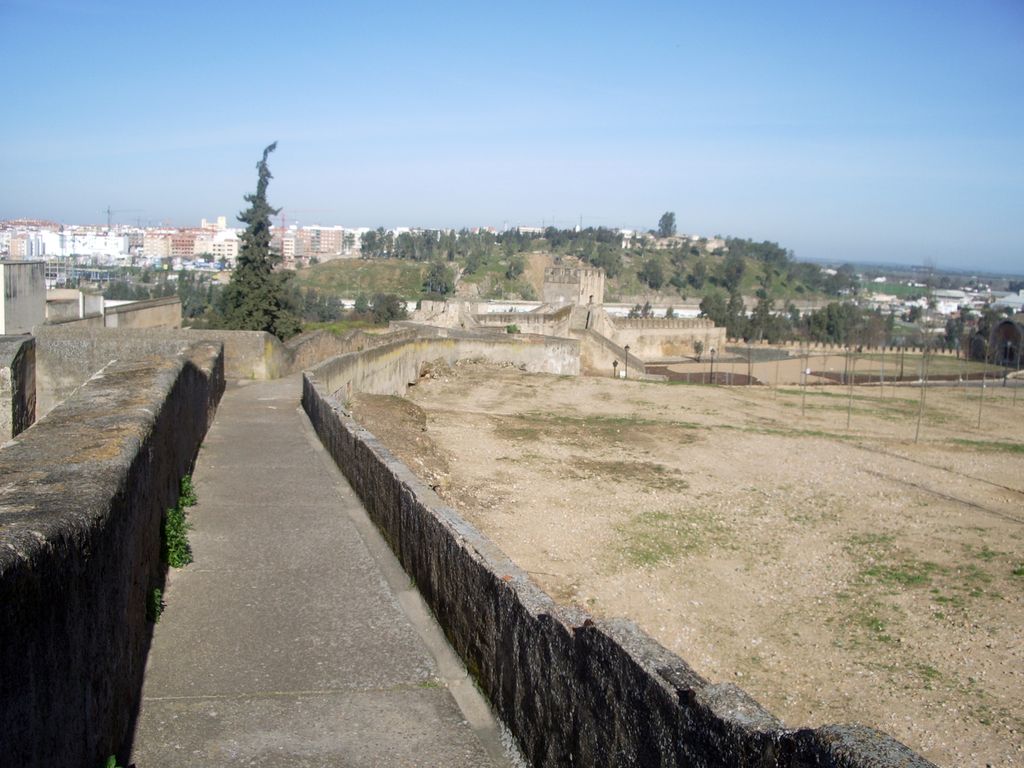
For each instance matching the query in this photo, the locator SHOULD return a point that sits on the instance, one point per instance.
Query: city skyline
(865, 133)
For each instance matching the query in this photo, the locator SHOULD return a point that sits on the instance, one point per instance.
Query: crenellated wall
(573, 285)
(647, 323)
(83, 495)
(573, 690)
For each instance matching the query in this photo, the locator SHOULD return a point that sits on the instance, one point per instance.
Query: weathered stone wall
(154, 313)
(391, 367)
(81, 504)
(309, 349)
(60, 310)
(573, 285)
(22, 295)
(573, 690)
(89, 320)
(66, 357)
(17, 385)
(667, 344)
(547, 324)
(659, 339)
(597, 353)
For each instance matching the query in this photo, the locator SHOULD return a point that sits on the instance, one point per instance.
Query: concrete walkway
(295, 639)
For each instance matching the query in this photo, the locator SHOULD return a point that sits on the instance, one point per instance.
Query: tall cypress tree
(257, 298)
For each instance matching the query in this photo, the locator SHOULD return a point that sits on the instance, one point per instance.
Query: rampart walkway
(295, 639)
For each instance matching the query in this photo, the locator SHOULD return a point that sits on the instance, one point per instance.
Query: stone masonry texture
(83, 495)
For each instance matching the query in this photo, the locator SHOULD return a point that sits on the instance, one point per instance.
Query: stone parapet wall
(84, 493)
(573, 690)
(597, 353)
(152, 313)
(547, 324)
(392, 367)
(663, 343)
(89, 320)
(67, 356)
(17, 385)
(309, 349)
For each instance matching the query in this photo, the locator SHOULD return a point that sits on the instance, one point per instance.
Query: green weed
(911, 573)
(174, 547)
(187, 496)
(652, 538)
(177, 552)
(155, 605)
(991, 445)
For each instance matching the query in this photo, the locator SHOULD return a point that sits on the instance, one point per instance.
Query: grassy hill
(348, 278)
(628, 286)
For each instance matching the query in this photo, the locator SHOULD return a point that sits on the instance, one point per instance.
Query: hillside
(347, 278)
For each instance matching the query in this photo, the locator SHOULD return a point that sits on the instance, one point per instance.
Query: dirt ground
(838, 575)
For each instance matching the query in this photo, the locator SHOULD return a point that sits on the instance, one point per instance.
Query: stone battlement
(645, 323)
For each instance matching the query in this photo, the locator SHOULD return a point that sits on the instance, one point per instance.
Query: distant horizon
(871, 131)
(858, 262)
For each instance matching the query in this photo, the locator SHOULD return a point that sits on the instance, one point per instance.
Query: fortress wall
(84, 492)
(153, 313)
(597, 353)
(309, 349)
(602, 322)
(66, 357)
(573, 285)
(572, 690)
(17, 385)
(797, 348)
(548, 324)
(390, 368)
(656, 343)
(661, 323)
(88, 320)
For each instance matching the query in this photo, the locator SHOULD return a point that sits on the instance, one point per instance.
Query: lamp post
(626, 368)
(712, 365)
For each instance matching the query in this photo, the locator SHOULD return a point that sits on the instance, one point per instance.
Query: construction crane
(293, 211)
(110, 213)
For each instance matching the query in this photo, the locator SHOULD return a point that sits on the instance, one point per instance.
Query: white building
(1014, 301)
(225, 246)
(101, 245)
(947, 302)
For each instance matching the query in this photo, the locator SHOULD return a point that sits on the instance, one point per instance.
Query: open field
(836, 575)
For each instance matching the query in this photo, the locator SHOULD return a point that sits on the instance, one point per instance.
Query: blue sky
(889, 131)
